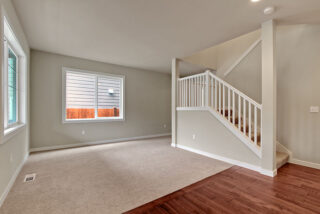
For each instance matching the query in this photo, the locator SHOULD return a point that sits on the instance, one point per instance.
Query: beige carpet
(106, 178)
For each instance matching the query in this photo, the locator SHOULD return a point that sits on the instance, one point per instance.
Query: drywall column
(174, 97)
(269, 98)
(1, 89)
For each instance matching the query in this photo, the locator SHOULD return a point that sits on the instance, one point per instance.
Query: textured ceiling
(147, 33)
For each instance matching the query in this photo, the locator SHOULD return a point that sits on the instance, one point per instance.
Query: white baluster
(202, 92)
(249, 120)
(189, 98)
(244, 116)
(255, 125)
(186, 93)
(179, 92)
(233, 108)
(239, 112)
(215, 95)
(223, 99)
(183, 93)
(229, 104)
(211, 95)
(220, 97)
(193, 93)
(198, 92)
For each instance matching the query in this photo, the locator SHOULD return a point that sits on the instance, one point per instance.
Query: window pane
(12, 87)
(80, 95)
(109, 96)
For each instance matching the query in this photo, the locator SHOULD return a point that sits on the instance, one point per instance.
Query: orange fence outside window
(81, 113)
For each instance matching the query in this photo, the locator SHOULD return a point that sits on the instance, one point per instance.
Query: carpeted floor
(106, 178)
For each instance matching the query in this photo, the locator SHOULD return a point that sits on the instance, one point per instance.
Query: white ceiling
(147, 33)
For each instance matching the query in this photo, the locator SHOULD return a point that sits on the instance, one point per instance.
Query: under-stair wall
(217, 120)
(201, 132)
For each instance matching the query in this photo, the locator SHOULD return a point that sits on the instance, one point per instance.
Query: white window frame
(96, 119)
(11, 41)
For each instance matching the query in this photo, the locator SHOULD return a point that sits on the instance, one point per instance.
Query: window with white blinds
(92, 96)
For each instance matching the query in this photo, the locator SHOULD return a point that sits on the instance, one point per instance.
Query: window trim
(9, 40)
(97, 119)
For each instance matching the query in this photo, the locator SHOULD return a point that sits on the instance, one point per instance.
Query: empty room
(164, 107)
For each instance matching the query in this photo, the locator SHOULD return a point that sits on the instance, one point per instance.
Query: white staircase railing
(237, 111)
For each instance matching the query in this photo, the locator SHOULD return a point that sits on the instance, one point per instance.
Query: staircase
(238, 112)
(235, 110)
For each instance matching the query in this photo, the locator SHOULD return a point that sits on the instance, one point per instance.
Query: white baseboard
(282, 148)
(48, 148)
(229, 160)
(12, 180)
(304, 163)
(269, 173)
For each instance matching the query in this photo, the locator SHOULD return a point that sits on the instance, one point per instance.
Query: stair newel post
(207, 89)
(174, 102)
(269, 99)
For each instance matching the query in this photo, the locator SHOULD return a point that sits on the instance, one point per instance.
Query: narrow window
(12, 101)
(14, 84)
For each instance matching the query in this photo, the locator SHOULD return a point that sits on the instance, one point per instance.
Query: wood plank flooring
(296, 189)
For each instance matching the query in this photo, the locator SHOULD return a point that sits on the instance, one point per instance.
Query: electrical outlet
(164, 126)
(193, 137)
(83, 132)
(314, 109)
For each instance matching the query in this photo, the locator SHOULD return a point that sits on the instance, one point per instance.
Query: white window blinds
(80, 91)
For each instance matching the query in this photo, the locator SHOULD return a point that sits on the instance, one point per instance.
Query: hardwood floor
(296, 189)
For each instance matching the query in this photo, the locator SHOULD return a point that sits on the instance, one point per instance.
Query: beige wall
(242, 74)
(221, 57)
(14, 151)
(147, 103)
(298, 58)
(298, 64)
(212, 137)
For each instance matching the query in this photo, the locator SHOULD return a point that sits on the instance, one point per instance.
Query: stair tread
(282, 158)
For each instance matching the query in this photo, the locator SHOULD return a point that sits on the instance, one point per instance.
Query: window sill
(111, 119)
(12, 131)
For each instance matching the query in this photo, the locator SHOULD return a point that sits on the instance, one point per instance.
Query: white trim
(304, 163)
(12, 131)
(192, 76)
(192, 108)
(48, 148)
(242, 57)
(12, 180)
(229, 160)
(268, 172)
(93, 120)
